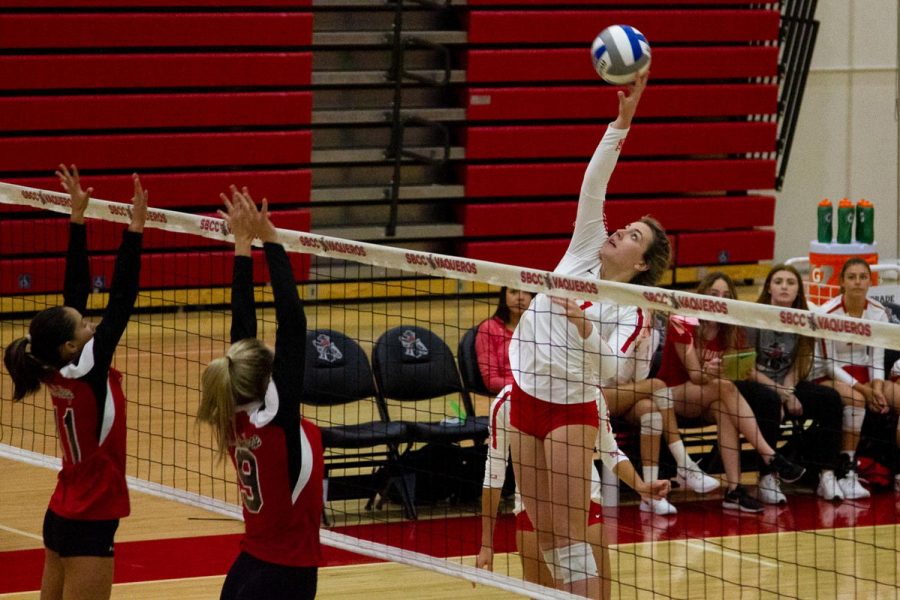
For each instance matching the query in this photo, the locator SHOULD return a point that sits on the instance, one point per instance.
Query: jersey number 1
(248, 479)
(71, 436)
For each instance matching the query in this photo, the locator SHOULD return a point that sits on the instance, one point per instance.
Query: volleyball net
(390, 380)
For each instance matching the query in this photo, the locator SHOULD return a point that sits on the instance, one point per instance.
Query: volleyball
(620, 53)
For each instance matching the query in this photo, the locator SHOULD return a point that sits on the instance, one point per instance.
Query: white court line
(704, 547)
(22, 533)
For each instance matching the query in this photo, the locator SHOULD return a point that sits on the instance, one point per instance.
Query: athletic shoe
(695, 479)
(739, 499)
(769, 490)
(852, 488)
(829, 489)
(788, 471)
(658, 507)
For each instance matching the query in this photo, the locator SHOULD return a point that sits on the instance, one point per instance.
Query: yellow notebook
(737, 365)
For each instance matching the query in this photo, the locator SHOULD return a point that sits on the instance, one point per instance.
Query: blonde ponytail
(239, 377)
(217, 403)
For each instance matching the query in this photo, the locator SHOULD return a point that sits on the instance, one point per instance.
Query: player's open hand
(70, 181)
(240, 215)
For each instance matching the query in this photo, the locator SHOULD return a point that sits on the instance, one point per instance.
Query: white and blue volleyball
(620, 53)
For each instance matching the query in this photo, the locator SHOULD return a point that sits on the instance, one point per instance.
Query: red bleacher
(155, 71)
(567, 64)
(659, 26)
(194, 100)
(133, 111)
(153, 30)
(599, 102)
(656, 139)
(175, 190)
(158, 270)
(705, 133)
(644, 177)
(154, 151)
(556, 217)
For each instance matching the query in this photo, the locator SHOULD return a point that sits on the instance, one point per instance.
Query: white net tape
(714, 309)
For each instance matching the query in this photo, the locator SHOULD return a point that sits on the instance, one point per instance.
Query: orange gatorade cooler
(825, 262)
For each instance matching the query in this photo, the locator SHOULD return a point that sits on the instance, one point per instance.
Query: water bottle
(865, 222)
(845, 222)
(825, 212)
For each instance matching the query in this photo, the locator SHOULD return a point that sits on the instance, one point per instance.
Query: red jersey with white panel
(87, 394)
(277, 455)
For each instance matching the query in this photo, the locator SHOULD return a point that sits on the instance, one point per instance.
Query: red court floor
(212, 555)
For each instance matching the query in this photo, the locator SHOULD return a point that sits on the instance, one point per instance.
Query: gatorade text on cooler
(824, 217)
(845, 222)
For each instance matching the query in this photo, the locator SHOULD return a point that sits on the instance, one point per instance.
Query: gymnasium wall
(846, 141)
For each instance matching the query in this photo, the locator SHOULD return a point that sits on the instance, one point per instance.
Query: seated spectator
(494, 334)
(892, 393)
(646, 403)
(692, 366)
(783, 362)
(856, 371)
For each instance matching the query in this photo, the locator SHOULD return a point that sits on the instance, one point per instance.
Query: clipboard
(736, 365)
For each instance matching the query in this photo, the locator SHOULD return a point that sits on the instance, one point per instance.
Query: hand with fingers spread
(262, 225)
(139, 205)
(71, 183)
(240, 214)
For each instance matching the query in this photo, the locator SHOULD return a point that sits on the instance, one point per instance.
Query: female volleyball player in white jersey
(856, 371)
(251, 398)
(557, 358)
(73, 359)
(534, 567)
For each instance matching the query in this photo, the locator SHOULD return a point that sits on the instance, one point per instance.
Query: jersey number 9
(248, 479)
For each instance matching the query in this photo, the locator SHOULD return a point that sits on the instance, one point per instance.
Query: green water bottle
(824, 218)
(845, 222)
(865, 222)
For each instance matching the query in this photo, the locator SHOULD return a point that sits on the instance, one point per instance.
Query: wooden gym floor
(809, 549)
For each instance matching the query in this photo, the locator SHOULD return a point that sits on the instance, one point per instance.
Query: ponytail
(217, 403)
(30, 360)
(239, 377)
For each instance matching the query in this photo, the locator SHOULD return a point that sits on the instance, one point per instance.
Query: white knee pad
(663, 398)
(853, 418)
(651, 424)
(571, 563)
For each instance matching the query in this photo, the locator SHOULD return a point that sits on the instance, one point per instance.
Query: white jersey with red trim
(549, 359)
(498, 448)
(832, 356)
(628, 331)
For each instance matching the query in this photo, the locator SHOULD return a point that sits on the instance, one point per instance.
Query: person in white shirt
(558, 360)
(856, 371)
(640, 400)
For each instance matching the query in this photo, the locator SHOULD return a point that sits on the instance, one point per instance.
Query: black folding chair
(338, 373)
